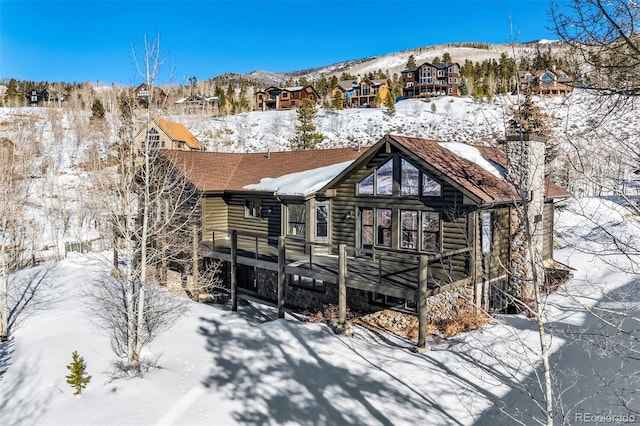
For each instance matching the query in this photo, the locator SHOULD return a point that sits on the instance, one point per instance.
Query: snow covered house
(363, 92)
(404, 213)
(430, 79)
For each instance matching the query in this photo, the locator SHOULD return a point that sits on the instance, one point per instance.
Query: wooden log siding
(214, 215)
(268, 224)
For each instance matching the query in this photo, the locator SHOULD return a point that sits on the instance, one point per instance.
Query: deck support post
(233, 271)
(342, 284)
(422, 302)
(281, 275)
(196, 264)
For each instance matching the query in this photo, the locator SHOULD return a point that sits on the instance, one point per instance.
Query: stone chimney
(525, 155)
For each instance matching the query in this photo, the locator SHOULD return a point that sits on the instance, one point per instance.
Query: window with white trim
(322, 220)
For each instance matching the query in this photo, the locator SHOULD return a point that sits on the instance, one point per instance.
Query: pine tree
(78, 377)
(336, 102)
(391, 103)
(97, 110)
(531, 119)
(446, 58)
(411, 62)
(306, 136)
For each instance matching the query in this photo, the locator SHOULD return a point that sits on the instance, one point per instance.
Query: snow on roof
(300, 183)
(472, 154)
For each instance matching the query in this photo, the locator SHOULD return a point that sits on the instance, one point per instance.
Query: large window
(430, 188)
(409, 230)
(410, 178)
(296, 220)
(322, 221)
(383, 223)
(384, 179)
(430, 231)
(365, 187)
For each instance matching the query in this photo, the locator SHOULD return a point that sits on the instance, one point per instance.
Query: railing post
(423, 262)
(281, 276)
(234, 267)
(342, 284)
(213, 240)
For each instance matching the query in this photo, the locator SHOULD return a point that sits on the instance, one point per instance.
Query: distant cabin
(282, 98)
(165, 134)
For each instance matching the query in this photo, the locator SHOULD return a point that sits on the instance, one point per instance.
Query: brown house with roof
(143, 95)
(546, 83)
(277, 98)
(165, 134)
(431, 80)
(362, 92)
(409, 223)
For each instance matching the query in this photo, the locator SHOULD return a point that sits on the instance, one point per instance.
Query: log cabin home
(277, 98)
(409, 223)
(165, 134)
(363, 92)
(430, 79)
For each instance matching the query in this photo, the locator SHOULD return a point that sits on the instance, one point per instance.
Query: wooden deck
(391, 274)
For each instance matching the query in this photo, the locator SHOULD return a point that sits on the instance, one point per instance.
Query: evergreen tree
(97, 110)
(531, 119)
(446, 58)
(306, 137)
(434, 108)
(78, 377)
(411, 62)
(437, 60)
(391, 103)
(337, 102)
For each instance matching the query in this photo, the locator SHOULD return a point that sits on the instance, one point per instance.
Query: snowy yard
(220, 367)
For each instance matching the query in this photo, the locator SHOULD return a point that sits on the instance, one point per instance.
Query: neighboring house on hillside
(37, 97)
(195, 103)
(546, 83)
(431, 80)
(362, 93)
(164, 134)
(142, 96)
(406, 211)
(276, 98)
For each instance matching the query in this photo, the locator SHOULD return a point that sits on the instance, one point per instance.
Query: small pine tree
(411, 62)
(306, 136)
(391, 103)
(434, 108)
(78, 377)
(97, 110)
(336, 102)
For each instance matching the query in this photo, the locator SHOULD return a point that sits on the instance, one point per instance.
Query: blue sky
(92, 40)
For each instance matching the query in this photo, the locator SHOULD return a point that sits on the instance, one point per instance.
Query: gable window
(322, 221)
(384, 178)
(383, 222)
(409, 231)
(295, 220)
(430, 231)
(365, 187)
(430, 188)
(285, 95)
(253, 209)
(410, 177)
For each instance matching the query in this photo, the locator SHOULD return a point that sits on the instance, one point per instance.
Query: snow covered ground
(220, 367)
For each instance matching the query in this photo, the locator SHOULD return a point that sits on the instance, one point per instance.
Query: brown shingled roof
(219, 171)
(469, 175)
(178, 132)
(465, 173)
